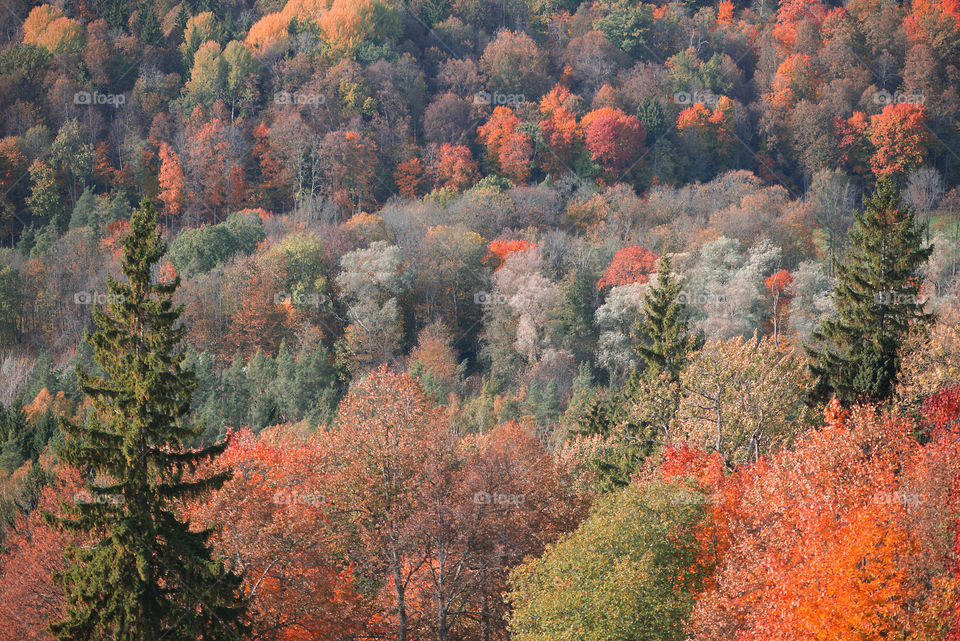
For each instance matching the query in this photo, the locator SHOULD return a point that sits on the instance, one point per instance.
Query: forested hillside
(544, 320)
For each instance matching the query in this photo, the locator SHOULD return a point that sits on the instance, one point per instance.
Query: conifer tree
(148, 25)
(653, 383)
(651, 116)
(180, 24)
(878, 299)
(143, 575)
(665, 323)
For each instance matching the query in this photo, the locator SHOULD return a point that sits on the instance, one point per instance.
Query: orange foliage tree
(778, 289)
(438, 519)
(509, 148)
(410, 177)
(629, 265)
(500, 249)
(271, 522)
(900, 139)
(560, 130)
(708, 132)
(852, 141)
(832, 558)
(452, 167)
(33, 554)
(172, 188)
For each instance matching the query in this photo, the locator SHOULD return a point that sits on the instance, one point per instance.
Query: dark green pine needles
(878, 296)
(143, 575)
(664, 322)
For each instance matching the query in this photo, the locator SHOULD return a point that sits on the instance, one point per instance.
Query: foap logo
(297, 98)
(84, 496)
(700, 298)
(899, 498)
(299, 300)
(293, 497)
(96, 298)
(886, 299)
(498, 498)
(687, 98)
(884, 98)
(498, 99)
(488, 299)
(97, 98)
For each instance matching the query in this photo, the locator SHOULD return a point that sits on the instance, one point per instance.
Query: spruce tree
(148, 25)
(878, 300)
(650, 114)
(653, 383)
(664, 323)
(143, 575)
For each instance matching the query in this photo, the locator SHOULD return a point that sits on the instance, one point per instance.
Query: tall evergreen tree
(664, 322)
(180, 23)
(650, 113)
(653, 383)
(878, 299)
(148, 25)
(114, 12)
(144, 576)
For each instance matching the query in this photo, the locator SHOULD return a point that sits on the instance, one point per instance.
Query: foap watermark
(688, 98)
(700, 298)
(498, 498)
(489, 299)
(899, 498)
(885, 299)
(84, 496)
(884, 98)
(299, 300)
(97, 98)
(293, 497)
(97, 298)
(298, 98)
(498, 99)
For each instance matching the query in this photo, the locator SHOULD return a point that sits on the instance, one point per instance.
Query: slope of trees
(520, 316)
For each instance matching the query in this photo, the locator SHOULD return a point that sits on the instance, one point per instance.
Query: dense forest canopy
(536, 319)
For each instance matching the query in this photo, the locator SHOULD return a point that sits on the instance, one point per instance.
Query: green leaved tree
(143, 574)
(631, 571)
(878, 296)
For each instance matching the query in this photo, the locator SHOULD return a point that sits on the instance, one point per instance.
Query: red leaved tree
(614, 139)
(632, 264)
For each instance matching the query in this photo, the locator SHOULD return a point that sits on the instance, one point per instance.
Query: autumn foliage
(629, 265)
(613, 139)
(900, 139)
(508, 146)
(500, 249)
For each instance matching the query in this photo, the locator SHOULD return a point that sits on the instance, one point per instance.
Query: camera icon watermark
(498, 498)
(293, 497)
(97, 298)
(700, 298)
(297, 98)
(85, 497)
(888, 298)
(884, 98)
(97, 98)
(498, 99)
(488, 299)
(688, 99)
(299, 300)
(899, 498)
